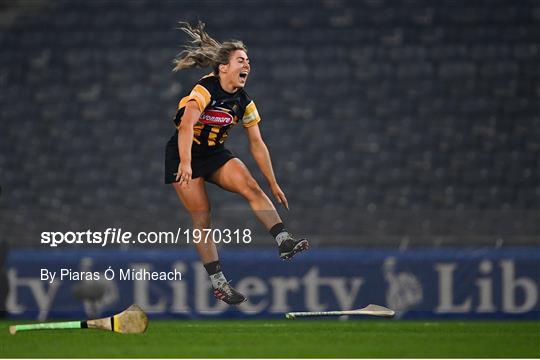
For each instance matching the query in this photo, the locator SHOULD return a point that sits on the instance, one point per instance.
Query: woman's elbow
(258, 146)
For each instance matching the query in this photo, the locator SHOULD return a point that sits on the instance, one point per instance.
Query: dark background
(410, 123)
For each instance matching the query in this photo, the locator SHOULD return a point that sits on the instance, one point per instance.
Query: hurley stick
(370, 310)
(133, 320)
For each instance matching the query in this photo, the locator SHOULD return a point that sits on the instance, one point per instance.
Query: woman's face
(237, 70)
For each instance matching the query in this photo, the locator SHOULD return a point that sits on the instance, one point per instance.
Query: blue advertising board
(443, 283)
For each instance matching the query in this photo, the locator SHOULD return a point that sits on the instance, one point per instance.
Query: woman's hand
(279, 195)
(183, 174)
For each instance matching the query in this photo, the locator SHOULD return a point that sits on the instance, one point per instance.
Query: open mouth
(243, 75)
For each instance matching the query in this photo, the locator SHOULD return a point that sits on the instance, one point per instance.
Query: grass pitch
(283, 338)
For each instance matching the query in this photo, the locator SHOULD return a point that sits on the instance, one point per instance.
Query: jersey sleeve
(200, 94)
(251, 115)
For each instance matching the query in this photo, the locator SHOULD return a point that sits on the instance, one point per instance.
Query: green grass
(285, 338)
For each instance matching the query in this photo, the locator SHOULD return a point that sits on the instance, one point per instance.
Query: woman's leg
(195, 200)
(234, 176)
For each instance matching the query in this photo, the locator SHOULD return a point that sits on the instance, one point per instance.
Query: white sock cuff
(217, 279)
(284, 235)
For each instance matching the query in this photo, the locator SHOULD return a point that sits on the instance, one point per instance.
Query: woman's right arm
(185, 139)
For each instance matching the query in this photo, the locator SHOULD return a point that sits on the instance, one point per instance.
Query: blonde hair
(203, 51)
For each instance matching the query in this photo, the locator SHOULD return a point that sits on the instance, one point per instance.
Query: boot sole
(301, 246)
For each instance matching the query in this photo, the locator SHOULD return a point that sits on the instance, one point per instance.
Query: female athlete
(196, 153)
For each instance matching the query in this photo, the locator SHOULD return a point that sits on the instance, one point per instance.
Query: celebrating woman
(196, 151)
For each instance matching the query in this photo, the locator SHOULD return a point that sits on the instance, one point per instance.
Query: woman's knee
(201, 218)
(194, 199)
(251, 189)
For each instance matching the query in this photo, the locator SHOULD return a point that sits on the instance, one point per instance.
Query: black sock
(277, 229)
(213, 268)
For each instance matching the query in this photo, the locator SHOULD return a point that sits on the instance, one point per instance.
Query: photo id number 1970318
(218, 236)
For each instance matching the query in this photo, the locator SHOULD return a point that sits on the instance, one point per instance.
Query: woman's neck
(227, 86)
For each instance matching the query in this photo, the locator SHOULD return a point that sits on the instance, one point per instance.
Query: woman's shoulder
(246, 99)
(209, 81)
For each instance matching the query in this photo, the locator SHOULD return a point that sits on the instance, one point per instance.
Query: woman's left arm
(262, 157)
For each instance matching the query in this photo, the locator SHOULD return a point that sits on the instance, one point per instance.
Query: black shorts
(205, 160)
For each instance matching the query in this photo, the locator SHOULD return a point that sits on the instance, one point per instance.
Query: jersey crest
(220, 117)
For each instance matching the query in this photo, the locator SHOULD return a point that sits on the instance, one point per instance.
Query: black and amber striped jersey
(220, 111)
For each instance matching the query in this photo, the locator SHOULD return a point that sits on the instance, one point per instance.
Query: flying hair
(203, 51)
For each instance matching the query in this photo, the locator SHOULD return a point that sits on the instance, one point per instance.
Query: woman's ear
(223, 68)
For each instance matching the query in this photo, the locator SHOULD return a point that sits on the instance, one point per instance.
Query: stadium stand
(389, 123)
